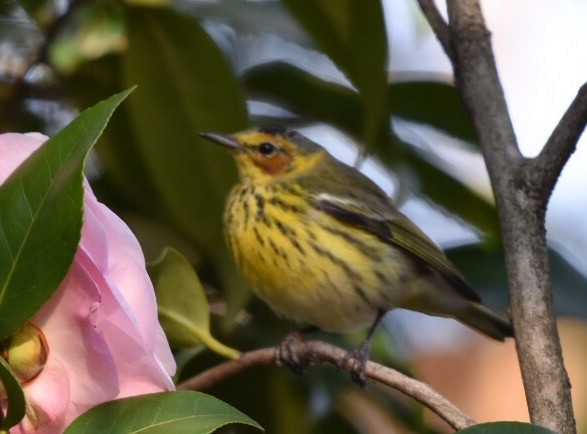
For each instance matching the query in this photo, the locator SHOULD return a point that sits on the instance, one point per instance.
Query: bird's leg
(285, 353)
(360, 355)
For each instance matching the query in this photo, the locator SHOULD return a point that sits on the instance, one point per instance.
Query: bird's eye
(267, 148)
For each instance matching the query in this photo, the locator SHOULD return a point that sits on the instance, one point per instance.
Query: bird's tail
(485, 321)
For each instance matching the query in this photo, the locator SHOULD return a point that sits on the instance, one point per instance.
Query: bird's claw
(286, 354)
(358, 359)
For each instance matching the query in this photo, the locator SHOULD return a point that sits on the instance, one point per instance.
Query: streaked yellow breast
(306, 265)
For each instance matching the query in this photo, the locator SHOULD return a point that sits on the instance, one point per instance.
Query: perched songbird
(320, 243)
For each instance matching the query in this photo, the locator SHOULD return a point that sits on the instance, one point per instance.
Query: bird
(323, 245)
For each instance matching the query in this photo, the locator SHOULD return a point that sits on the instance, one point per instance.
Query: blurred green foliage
(197, 68)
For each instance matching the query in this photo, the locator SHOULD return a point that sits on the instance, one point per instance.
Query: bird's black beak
(226, 141)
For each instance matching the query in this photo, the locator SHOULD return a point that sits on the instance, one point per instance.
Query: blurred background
(366, 79)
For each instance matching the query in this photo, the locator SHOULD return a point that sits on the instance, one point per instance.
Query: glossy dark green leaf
(183, 309)
(352, 33)
(181, 412)
(307, 95)
(41, 207)
(185, 86)
(14, 395)
(432, 103)
(506, 428)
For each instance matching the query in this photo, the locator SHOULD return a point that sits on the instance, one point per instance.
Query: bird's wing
(378, 216)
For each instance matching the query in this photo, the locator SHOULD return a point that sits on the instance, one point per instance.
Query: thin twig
(548, 165)
(439, 26)
(317, 353)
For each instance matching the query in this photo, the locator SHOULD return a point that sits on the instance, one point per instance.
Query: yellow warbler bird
(320, 243)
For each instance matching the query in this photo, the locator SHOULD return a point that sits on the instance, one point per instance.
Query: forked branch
(522, 187)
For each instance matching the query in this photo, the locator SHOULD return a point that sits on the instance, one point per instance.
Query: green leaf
(183, 309)
(432, 103)
(122, 168)
(309, 96)
(14, 395)
(41, 207)
(352, 33)
(168, 412)
(185, 86)
(506, 428)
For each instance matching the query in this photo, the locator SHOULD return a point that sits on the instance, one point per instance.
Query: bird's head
(265, 154)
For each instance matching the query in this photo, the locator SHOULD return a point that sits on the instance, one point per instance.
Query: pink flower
(101, 330)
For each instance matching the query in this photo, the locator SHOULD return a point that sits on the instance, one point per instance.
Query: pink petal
(101, 325)
(50, 414)
(68, 321)
(15, 148)
(129, 283)
(138, 369)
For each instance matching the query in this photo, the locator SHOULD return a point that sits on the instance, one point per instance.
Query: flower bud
(26, 352)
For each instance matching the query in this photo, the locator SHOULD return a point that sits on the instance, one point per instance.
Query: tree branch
(318, 353)
(522, 215)
(439, 26)
(548, 165)
(478, 81)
